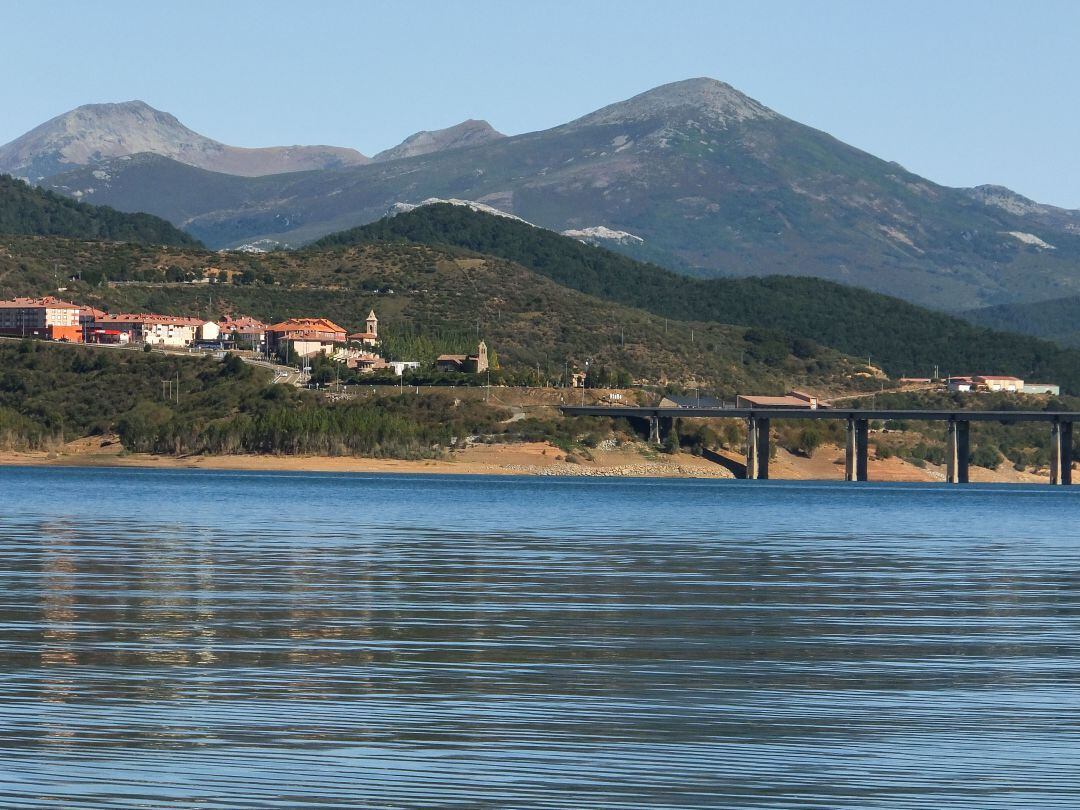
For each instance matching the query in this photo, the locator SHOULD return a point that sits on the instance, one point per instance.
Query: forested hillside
(539, 329)
(901, 338)
(33, 211)
(51, 393)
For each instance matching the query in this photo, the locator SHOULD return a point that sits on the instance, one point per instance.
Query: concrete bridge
(959, 422)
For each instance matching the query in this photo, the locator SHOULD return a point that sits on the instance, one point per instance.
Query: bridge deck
(616, 411)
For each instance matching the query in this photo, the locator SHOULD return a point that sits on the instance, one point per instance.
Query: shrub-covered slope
(898, 336)
(36, 212)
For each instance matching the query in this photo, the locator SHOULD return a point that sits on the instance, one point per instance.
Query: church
(465, 363)
(371, 336)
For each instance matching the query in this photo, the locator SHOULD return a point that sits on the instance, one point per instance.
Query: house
(305, 337)
(244, 333)
(172, 331)
(369, 337)
(793, 399)
(48, 318)
(465, 363)
(359, 359)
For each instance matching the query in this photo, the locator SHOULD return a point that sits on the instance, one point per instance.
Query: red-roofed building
(156, 330)
(244, 332)
(48, 318)
(305, 337)
(371, 336)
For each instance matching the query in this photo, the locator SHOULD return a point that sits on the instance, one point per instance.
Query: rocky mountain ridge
(709, 180)
(467, 133)
(92, 133)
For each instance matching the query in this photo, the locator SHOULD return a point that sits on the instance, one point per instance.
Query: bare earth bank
(537, 458)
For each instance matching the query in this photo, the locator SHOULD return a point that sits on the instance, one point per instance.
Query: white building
(401, 366)
(1042, 388)
(169, 331)
(999, 383)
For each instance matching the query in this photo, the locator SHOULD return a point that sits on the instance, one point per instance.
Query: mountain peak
(716, 101)
(468, 133)
(93, 133)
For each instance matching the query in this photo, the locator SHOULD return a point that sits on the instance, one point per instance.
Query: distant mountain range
(1056, 319)
(694, 176)
(95, 133)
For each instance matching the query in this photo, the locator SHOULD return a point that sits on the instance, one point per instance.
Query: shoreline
(525, 459)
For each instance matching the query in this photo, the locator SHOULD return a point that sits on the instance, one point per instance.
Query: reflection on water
(258, 640)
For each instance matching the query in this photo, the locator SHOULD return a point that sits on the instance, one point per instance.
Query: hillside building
(1042, 388)
(166, 331)
(244, 333)
(370, 337)
(465, 363)
(1013, 385)
(305, 337)
(993, 383)
(47, 318)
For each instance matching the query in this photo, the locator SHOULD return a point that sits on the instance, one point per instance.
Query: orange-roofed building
(244, 332)
(305, 337)
(174, 331)
(371, 336)
(48, 318)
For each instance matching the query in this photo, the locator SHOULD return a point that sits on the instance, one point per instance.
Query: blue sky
(961, 92)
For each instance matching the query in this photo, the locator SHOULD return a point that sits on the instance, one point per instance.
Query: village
(294, 341)
(298, 342)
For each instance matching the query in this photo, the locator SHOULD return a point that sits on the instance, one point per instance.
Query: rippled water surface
(235, 640)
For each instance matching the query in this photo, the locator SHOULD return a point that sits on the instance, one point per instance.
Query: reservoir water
(206, 640)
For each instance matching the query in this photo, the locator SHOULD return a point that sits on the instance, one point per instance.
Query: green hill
(33, 211)
(899, 337)
(434, 300)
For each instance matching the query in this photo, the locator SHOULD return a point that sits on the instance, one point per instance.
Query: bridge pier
(661, 419)
(654, 430)
(757, 447)
(958, 451)
(1061, 453)
(857, 458)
